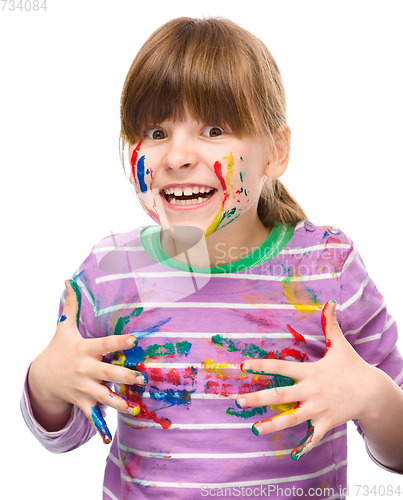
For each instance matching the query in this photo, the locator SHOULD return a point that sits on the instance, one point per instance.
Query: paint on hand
(292, 408)
(100, 424)
(298, 451)
(77, 291)
(324, 324)
(62, 318)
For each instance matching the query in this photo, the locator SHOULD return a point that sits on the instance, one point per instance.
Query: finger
(283, 420)
(105, 345)
(270, 397)
(72, 306)
(119, 402)
(100, 425)
(273, 367)
(306, 444)
(330, 326)
(121, 375)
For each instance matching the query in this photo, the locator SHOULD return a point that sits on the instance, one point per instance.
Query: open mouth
(189, 195)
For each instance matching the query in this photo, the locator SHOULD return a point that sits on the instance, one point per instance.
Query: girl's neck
(221, 247)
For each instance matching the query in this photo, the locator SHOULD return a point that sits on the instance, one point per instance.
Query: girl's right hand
(70, 372)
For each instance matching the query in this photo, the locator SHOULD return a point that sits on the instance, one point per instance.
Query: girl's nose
(179, 156)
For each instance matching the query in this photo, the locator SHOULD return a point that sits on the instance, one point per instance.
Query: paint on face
(297, 452)
(100, 424)
(141, 174)
(133, 161)
(229, 215)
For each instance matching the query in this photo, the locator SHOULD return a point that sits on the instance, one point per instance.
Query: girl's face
(188, 173)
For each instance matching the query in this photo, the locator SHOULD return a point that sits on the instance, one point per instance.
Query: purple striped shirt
(194, 328)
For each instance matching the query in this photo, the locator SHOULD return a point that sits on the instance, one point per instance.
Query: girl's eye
(156, 133)
(213, 131)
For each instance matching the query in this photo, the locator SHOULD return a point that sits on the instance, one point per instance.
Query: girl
(219, 328)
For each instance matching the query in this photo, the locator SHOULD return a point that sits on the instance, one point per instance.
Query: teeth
(187, 191)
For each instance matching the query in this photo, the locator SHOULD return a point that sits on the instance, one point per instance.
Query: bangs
(202, 65)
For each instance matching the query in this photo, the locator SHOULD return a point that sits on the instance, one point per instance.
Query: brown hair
(223, 75)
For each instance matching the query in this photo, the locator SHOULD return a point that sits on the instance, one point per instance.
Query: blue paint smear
(63, 318)
(100, 424)
(171, 396)
(140, 174)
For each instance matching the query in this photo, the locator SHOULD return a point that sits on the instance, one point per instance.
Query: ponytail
(276, 205)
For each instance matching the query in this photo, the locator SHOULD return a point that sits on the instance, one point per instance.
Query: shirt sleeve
(366, 322)
(78, 430)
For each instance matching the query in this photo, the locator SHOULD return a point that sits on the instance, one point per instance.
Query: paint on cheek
(133, 161)
(141, 174)
(100, 424)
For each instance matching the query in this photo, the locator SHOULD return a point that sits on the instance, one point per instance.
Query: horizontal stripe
(149, 424)
(357, 295)
(118, 249)
(245, 276)
(204, 335)
(289, 479)
(209, 305)
(357, 330)
(201, 395)
(368, 339)
(323, 246)
(226, 456)
(185, 456)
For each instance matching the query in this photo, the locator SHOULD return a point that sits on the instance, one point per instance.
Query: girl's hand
(339, 387)
(70, 371)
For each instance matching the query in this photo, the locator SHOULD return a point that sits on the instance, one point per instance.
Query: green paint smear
(77, 291)
(183, 348)
(124, 320)
(246, 413)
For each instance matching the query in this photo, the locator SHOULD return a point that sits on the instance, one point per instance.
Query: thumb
(72, 306)
(330, 325)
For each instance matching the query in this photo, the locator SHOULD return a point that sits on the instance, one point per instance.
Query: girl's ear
(280, 153)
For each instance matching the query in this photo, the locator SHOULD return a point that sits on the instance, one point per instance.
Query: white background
(63, 187)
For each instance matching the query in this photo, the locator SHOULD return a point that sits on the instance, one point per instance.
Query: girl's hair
(223, 75)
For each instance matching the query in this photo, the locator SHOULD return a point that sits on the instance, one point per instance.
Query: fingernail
(256, 429)
(245, 367)
(241, 403)
(145, 378)
(135, 410)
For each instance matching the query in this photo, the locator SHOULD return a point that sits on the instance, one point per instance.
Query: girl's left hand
(339, 387)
